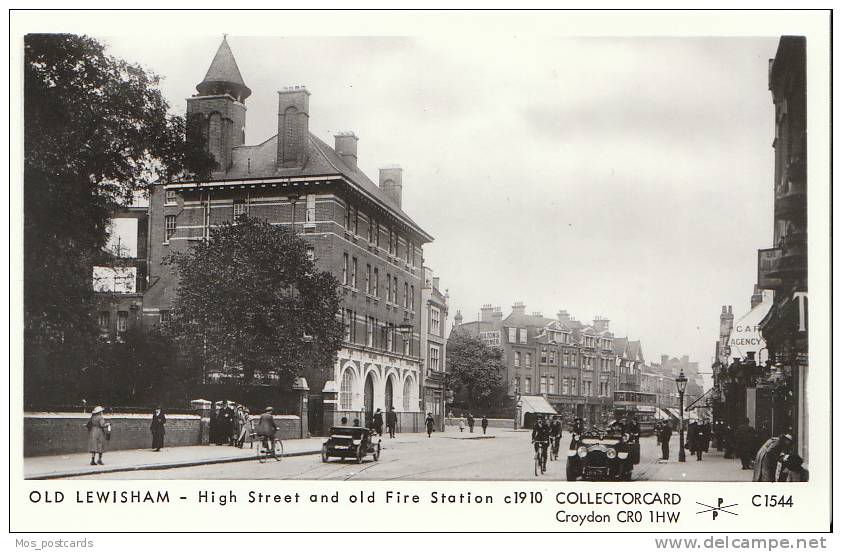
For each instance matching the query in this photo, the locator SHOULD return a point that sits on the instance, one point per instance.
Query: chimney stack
(519, 308)
(486, 312)
(436, 282)
(391, 182)
(563, 316)
(293, 126)
(497, 315)
(757, 296)
(600, 324)
(457, 320)
(346, 147)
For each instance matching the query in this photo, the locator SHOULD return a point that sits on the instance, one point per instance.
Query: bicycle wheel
(261, 452)
(277, 449)
(537, 463)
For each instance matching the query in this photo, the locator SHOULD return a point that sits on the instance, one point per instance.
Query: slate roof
(620, 345)
(259, 161)
(223, 71)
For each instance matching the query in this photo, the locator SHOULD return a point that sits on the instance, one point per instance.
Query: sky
(628, 178)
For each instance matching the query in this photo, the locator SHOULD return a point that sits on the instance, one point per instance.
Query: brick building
(434, 332)
(355, 228)
(569, 363)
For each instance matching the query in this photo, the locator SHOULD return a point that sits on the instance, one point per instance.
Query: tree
(250, 301)
(474, 369)
(96, 132)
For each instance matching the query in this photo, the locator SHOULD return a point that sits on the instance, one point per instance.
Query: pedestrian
(157, 428)
(471, 422)
(450, 417)
(664, 437)
(744, 443)
(344, 421)
(461, 425)
(226, 434)
(356, 422)
(99, 431)
(728, 440)
(391, 422)
(706, 436)
(484, 423)
(658, 427)
(766, 460)
(243, 425)
(213, 425)
(429, 422)
(377, 422)
(236, 424)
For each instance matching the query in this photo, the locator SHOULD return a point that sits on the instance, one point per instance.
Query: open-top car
(351, 442)
(599, 455)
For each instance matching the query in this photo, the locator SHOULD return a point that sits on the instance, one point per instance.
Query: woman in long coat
(157, 428)
(98, 429)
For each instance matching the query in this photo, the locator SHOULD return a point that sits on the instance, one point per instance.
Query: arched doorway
(368, 398)
(390, 394)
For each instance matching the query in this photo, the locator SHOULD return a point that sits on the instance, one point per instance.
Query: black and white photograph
(395, 257)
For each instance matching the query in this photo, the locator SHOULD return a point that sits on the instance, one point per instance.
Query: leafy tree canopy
(474, 369)
(96, 131)
(250, 301)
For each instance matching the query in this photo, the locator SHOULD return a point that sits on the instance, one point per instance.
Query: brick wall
(65, 433)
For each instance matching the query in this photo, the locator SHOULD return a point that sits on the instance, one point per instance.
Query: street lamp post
(681, 384)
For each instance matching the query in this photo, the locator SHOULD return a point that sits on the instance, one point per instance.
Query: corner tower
(218, 111)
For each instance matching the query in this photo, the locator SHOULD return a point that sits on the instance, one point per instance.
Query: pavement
(713, 466)
(78, 464)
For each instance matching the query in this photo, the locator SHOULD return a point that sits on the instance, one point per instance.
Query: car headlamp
(611, 453)
(582, 452)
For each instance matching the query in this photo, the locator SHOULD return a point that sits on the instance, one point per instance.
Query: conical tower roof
(223, 76)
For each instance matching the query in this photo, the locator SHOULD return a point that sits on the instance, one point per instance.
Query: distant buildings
(580, 369)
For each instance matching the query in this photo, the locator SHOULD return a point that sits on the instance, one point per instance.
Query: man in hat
(744, 443)
(377, 422)
(391, 422)
(266, 428)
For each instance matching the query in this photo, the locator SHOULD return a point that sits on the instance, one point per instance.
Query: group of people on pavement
(391, 422)
(229, 424)
(773, 461)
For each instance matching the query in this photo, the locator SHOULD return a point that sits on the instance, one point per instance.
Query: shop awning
(537, 404)
(674, 413)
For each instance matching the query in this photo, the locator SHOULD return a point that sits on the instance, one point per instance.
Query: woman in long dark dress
(157, 428)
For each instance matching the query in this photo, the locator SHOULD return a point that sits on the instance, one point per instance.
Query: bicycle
(276, 452)
(555, 444)
(540, 457)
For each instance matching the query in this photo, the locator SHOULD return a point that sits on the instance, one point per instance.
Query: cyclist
(555, 433)
(541, 437)
(577, 430)
(266, 429)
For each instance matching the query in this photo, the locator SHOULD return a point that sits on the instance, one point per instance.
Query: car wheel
(325, 456)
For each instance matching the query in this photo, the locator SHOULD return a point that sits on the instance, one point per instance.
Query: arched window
(346, 390)
(407, 395)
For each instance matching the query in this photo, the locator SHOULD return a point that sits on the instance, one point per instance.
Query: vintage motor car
(596, 455)
(351, 442)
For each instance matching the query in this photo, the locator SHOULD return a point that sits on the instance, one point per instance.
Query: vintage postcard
(547, 270)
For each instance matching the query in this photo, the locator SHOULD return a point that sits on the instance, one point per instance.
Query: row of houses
(580, 369)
